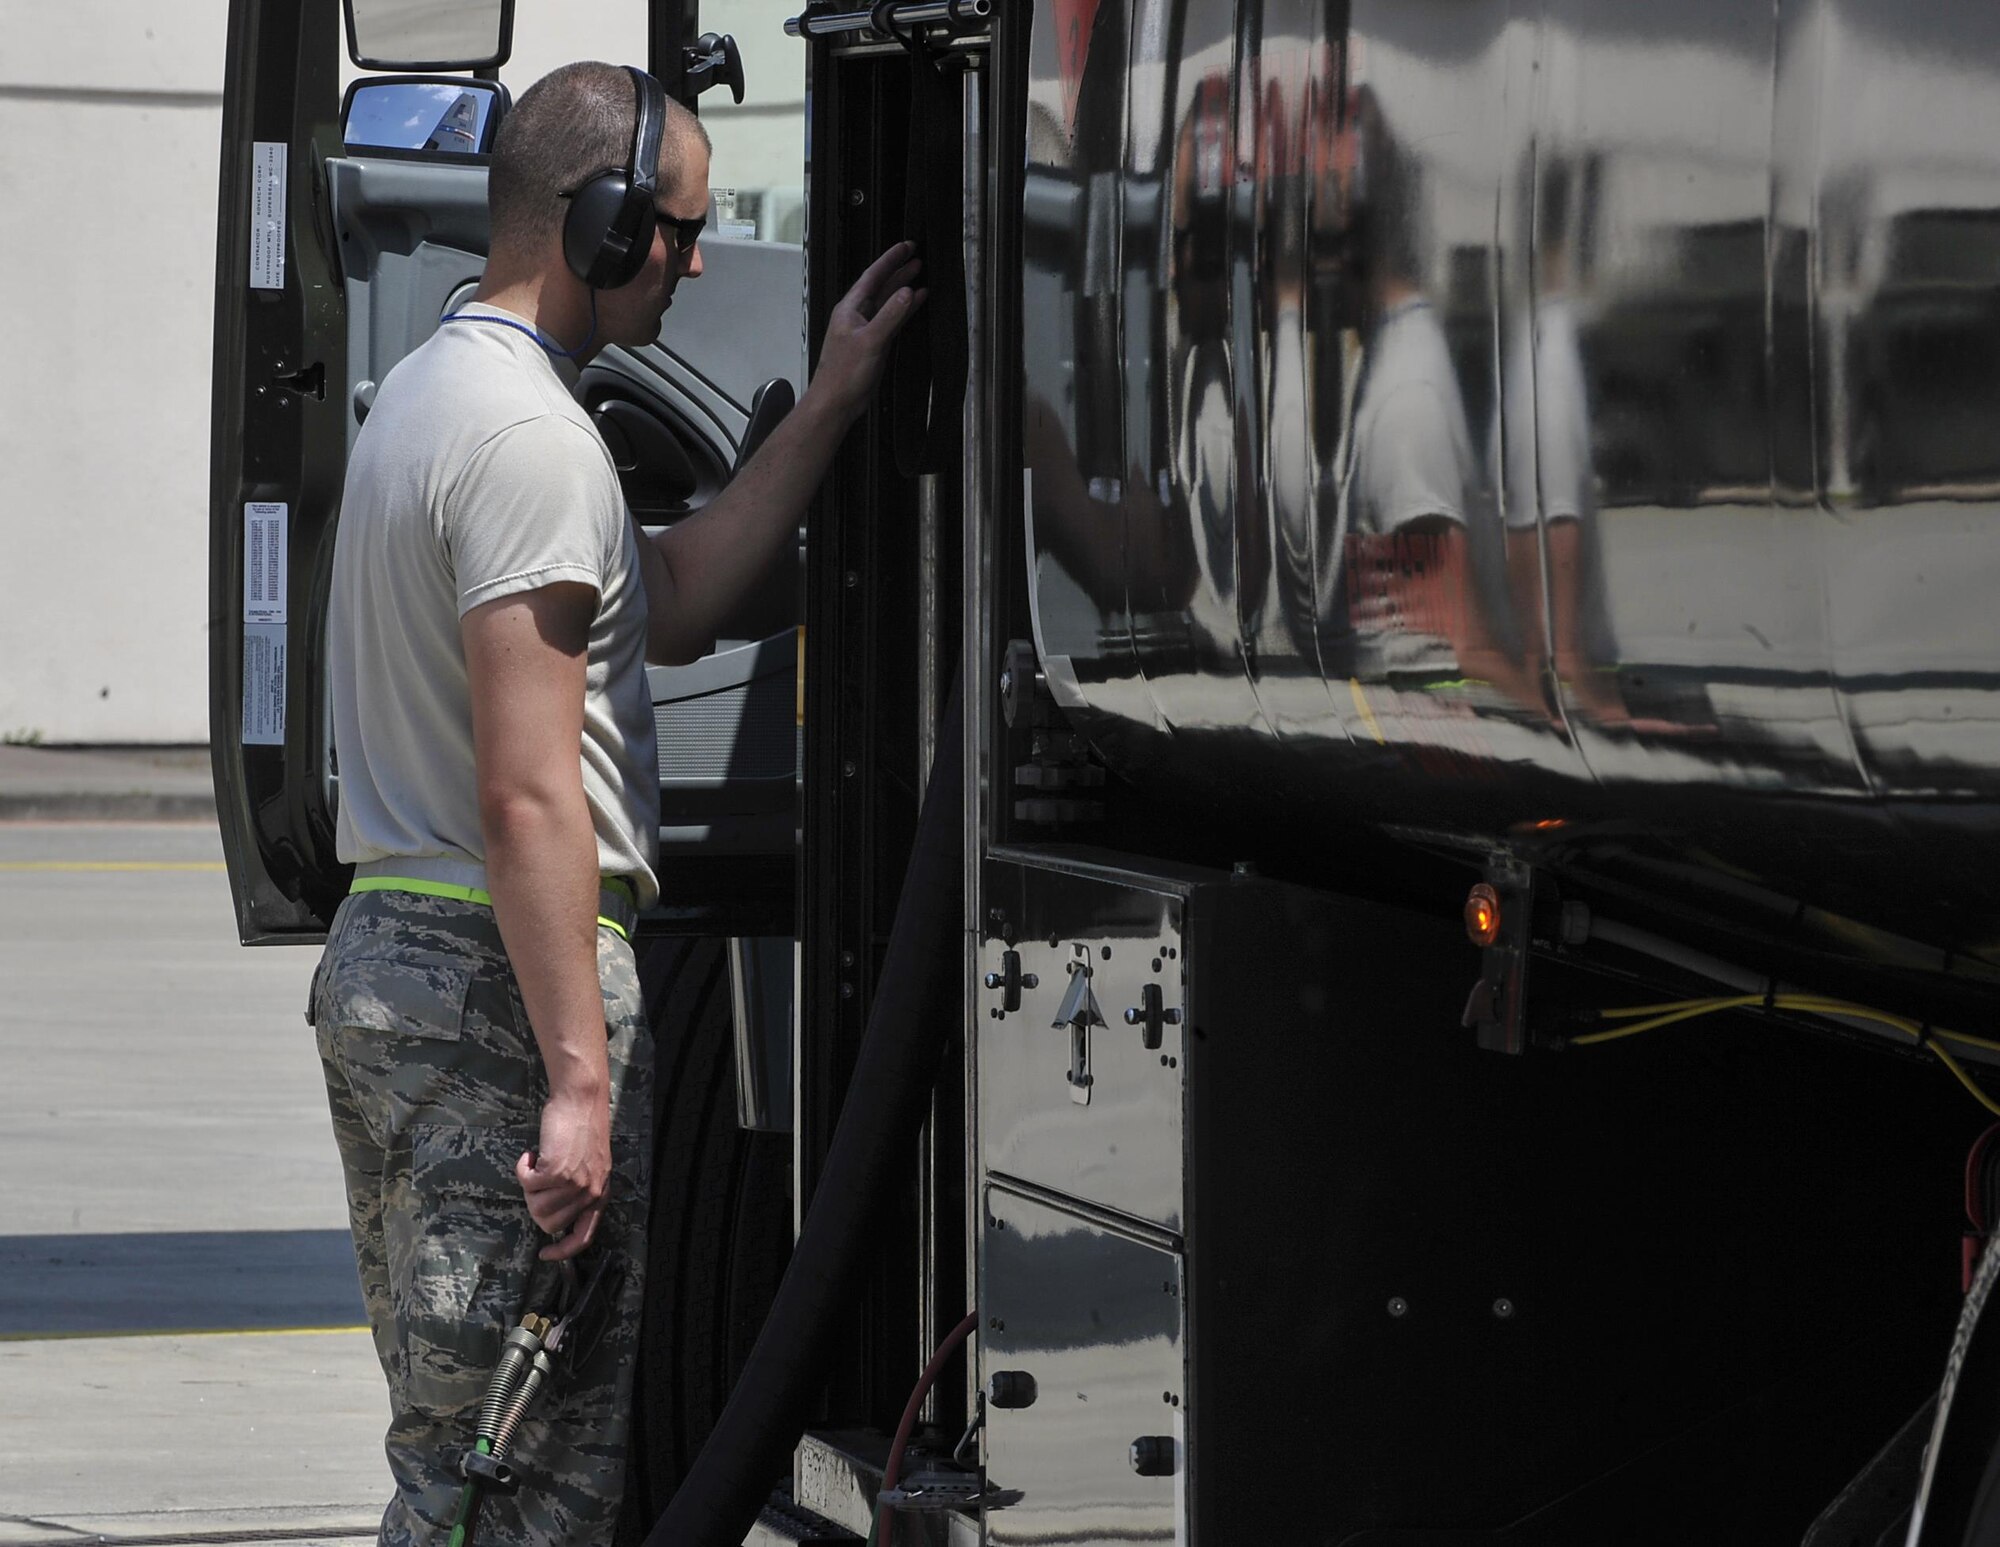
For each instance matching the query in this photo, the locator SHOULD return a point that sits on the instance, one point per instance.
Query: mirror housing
(429, 34)
(773, 401)
(451, 115)
(713, 60)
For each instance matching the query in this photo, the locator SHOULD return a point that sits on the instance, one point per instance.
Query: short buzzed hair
(571, 124)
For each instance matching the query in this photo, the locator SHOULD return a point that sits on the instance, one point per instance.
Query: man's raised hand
(859, 332)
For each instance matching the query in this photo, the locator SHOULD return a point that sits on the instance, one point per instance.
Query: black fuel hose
(917, 1004)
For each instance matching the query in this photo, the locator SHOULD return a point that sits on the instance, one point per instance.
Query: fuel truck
(1360, 903)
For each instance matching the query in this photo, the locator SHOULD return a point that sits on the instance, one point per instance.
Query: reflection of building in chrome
(1685, 324)
(1094, 1317)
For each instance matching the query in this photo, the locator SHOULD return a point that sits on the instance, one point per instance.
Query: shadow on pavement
(177, 1281)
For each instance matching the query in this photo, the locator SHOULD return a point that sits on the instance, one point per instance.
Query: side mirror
(429, 34)
(772, 402)
(437, 114)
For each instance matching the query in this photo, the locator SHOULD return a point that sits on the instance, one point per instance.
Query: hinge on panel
(307, 381)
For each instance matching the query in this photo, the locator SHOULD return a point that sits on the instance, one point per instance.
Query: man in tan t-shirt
(492, 613)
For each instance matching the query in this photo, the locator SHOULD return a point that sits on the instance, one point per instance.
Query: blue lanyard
(533, 333)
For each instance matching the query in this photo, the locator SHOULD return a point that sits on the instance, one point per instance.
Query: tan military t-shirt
(475, 477)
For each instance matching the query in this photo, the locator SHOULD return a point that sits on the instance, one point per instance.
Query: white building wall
(110, 114)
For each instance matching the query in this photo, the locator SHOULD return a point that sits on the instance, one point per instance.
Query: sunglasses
(685, 233)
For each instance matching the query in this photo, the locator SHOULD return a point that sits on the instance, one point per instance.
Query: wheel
(720, 1225)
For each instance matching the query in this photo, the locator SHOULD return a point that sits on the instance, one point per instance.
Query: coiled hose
(517, 1380)
(915, 1010)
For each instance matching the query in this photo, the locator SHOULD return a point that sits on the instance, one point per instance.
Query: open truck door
(349, 223)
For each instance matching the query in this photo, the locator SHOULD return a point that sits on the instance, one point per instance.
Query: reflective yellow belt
(615, 895)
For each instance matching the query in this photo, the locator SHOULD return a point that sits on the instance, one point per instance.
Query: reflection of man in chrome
(1546, 472)
(1201, 420)
(1418, 540)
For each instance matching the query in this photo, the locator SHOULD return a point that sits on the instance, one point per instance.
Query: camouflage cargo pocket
(413, 994)
(383, 1022)
(459, 1259)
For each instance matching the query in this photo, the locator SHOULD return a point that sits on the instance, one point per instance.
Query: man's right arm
(525, 658)
(697, 570)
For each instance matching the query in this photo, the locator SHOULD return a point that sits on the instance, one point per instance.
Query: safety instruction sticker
(267, 214)
(263, 684)
(264, 561)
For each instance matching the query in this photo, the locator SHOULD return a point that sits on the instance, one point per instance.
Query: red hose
(894, 1472)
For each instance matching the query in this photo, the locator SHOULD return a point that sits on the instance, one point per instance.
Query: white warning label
(267, 215)
(264, 530)
(263, 684)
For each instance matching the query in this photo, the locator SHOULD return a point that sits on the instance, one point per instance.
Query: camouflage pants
(436, 1088)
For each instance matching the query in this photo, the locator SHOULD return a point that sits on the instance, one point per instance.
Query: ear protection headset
(608, 229)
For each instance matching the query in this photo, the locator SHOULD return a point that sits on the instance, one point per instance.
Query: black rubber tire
(720, 1231)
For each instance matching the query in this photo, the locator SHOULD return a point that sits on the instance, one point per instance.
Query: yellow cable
(1627, 1012)
(1958, 1072)
(1687, 1011)
(1668, 1014)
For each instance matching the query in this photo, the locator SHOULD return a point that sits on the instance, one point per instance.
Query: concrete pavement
(105, 784)
(179, 1348)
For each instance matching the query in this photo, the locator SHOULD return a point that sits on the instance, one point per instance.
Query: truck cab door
(342, 236)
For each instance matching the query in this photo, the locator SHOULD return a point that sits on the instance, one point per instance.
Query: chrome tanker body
(1568, 430)
(1431, 467)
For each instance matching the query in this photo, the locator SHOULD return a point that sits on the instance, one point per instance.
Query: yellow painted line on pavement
(111, 864)
(178, 1332)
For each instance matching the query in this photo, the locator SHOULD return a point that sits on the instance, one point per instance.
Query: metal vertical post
(976, 645)
(929, 1330)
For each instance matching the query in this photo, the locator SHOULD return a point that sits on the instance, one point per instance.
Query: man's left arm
(697, 571)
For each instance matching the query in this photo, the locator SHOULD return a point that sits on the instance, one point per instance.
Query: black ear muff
(608, 229)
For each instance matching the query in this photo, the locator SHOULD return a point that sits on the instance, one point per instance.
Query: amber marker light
(1482, 915)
